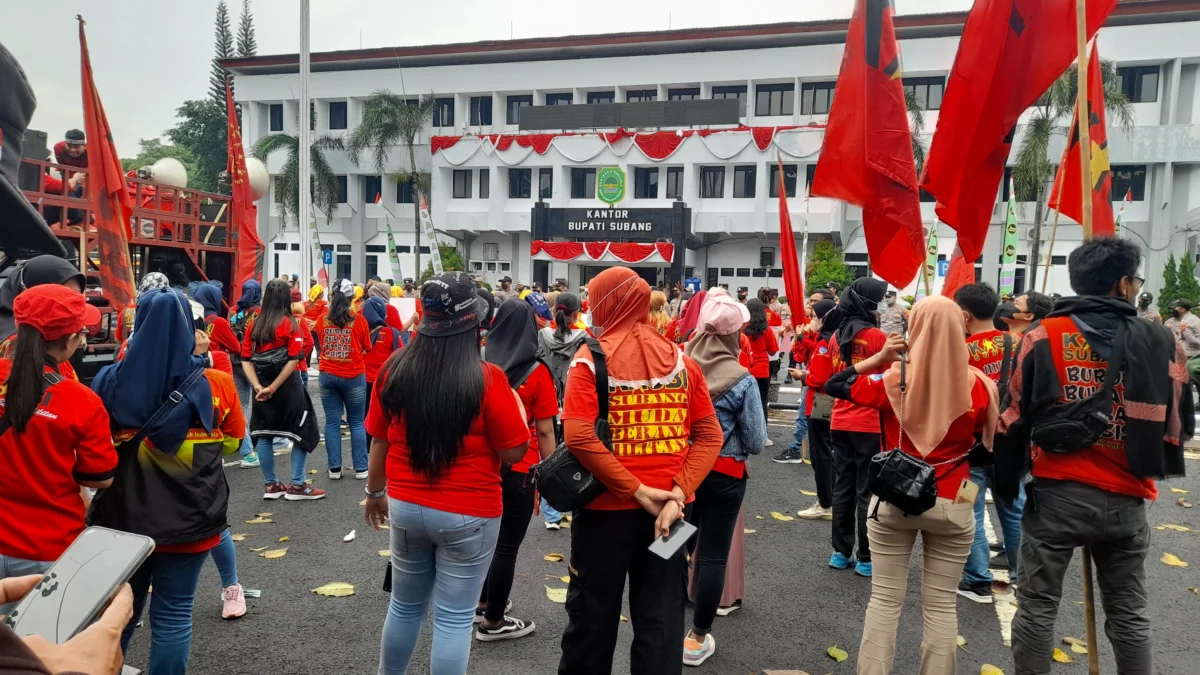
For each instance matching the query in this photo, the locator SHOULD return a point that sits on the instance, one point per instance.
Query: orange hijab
(938, 376)
(636, 354)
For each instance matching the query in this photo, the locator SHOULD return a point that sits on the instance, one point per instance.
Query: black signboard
(609, 224)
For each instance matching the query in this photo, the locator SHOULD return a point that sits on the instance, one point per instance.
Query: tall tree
(153, 149)
(1189, 287)
(222, 49)
(201, 129)
(1170, 289)
(827, 263)
(916, 113)
(389, 120)
(326, 192)
(246, 44)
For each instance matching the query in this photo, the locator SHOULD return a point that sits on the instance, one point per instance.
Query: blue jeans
(266, 455)
(349, 393)
(245, 397)
(801, 429)
(976, 569)
(174, 577)
(20, 567)
(225, 556)
(549, 513)
(443, 555)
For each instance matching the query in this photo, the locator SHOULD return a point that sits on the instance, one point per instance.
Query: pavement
(795, 608)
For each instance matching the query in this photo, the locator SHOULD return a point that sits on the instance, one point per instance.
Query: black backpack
(1068, 427)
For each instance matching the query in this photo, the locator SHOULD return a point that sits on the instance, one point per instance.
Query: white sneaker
(553, 526)
(361, 475)
(335, 475)
(695, 652)
(816, 512)
(770, 442)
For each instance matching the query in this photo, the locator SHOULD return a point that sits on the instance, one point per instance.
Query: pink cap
(722, 315)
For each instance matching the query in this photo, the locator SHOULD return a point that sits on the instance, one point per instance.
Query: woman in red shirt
(441, 424)
(944, 403)
(763, 344)
(385, 339)
(345, 338)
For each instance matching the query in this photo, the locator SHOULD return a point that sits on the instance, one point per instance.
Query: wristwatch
(375, 495)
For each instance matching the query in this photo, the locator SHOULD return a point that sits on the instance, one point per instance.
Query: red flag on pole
(243, 212)
(960, 273)
(793, 277)
(866, 158)
(1011, 51)
(1071, 203)
(109, 199)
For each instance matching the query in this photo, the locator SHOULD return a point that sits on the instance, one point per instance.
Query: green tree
(1189, 288)
(1170, 288)
(1032, 169)
(451, 262)
(389, 120)
(247, 46)
(153, 149)
(827, 263)
(325, 188)
(201, 129)
(917, 114)
(222, 49)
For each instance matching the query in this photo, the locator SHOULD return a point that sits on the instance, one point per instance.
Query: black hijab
(822, 309)
(512, 341)
(857, 308)
(37, 271)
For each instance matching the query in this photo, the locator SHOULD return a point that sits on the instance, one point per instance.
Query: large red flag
(866, 158)
(1071, 202)
(793, 278)
(960, 273)
(1011, 51)
(243, 212)
(111, 205)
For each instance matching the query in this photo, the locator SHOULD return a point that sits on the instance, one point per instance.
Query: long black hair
(276, 306)
(566, 305)
(437, 384)
(26, 381)
(339, 306)
(758, 318)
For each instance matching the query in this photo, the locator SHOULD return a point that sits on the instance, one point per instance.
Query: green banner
(929, 271)
(1008, 261)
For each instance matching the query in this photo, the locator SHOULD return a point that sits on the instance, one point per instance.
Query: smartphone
(78, 587)
(967, 492)
(665, 547)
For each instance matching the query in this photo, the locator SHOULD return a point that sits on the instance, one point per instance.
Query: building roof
(643, 43)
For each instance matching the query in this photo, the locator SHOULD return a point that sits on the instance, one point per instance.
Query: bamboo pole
(1089, 600)
(1053, 236)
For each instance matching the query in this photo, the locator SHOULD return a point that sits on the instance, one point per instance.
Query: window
(376, 248)
(1140, 83)
(816, 97)
(372, 266)
(344, 248)
(403, 249)
(566, 98)
(924, 197)
(515, 103)
(583, 183)
(758, 272)
(742, 272)
(295, 247)
(675, 182)
(1129, 178)
(519, 183)
(810, 172)
(424, 249)
(775, 272)
(743, 182)
(545, 183)
(372, 186)
(343, 266)
(683, 94)
(789, 180)
(774, 99)
(491, 251)
(485, 183)
(597, 97)
(443, 112)
(462, 184)
(731, 91)
(928, 91)
(712, 182)
(276, 112)
(337, 114)
(645, 183)
(404, 192)
(641, 95)
(481, 111)
(726, 272)
(280, 247)
(342, 189)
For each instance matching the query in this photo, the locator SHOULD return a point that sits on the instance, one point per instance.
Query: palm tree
(917, 114)
(389, 120)
(1032, 170)
(326, 192)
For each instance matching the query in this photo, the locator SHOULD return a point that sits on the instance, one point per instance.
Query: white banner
(430, 236)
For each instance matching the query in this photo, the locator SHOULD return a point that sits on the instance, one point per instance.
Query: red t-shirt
(471, 485)
(9, 345)
(541, 401)
(288, 334)
(651, 426)
(220, 335)
(820, 369)
(986, 350)
(342, 349)
(846, 415)
(671, 332)
(374, 359)
(221, 361)
(773, 318)
(761, 350)
(68, 440)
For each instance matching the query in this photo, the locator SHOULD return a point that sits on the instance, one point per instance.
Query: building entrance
(652, 275)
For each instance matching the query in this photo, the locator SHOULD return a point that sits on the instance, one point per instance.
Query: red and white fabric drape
(631, 253)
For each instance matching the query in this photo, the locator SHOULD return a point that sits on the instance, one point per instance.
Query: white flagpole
(304, 214)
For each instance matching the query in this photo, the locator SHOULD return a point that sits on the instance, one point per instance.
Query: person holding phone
(95, 650)
(54, 439)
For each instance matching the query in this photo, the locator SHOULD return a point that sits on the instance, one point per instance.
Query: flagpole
(1053, 236)
(1085, 142)
(304, 217)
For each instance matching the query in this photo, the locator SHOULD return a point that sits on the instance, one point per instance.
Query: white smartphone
(665, 547)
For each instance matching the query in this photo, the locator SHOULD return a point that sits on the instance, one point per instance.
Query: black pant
(820, 453)
(605, 547)
(852, 453)
(715, 512)
(764, 389)
(518, 510)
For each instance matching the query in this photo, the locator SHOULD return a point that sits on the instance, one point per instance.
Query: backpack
(558, 359)
(1068, 427)
(396, 344)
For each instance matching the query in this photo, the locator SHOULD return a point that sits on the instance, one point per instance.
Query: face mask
(891, 301)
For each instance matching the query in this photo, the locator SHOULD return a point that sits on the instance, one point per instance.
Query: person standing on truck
(72, 150)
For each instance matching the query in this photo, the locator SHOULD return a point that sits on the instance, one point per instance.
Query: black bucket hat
(450, 305)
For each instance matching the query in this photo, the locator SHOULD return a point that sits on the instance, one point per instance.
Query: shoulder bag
(1068, 427)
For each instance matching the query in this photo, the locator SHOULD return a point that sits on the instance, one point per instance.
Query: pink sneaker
(235, 602)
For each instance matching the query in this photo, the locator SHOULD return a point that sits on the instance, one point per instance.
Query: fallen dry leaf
(363, 503)
(335, 589)
(385, 526)
(962, 643)
(313, 472)
(989, 669)
(758, 517)
(274, 553)
(264, 515)
(747, 530)
(623, 618)
(553, 557)
(1173, 560)
(282, 539)
(1179, 491)
(837, 654)
(385, 553)
(240, 537)
(1061, 656)
(779, 516)
(806, 461)
(1172, 526)
(259, 521)
(558, 595)
(350, 537)
(260, 549)
(1194, 590)
(808, 493)
(1184, 503)
(1079, 649)
(565, 580)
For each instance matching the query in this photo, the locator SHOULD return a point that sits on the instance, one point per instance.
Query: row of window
(1125, 178)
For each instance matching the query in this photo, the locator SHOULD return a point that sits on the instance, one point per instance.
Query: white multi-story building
(483, 197)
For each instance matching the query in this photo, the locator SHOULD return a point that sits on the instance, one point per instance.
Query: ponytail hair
(566, 305)
(26, 384)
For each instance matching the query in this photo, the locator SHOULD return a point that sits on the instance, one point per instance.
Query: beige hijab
(939, 376)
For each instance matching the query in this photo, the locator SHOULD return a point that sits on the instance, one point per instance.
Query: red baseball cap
(54, 310)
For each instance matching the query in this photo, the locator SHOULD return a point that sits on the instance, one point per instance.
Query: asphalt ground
(795, 607)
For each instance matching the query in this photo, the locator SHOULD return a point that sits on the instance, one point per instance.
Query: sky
(149, 56)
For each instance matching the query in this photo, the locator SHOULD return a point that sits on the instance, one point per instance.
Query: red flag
(793, 279)
(866, 158)
(1011, 51)
(243, 212)
(109, 199)
(378, 197)
(961, 273)
(1071, 203)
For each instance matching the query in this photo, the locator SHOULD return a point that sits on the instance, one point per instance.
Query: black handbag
(1068, 427)
(269, 364)
(561, 478)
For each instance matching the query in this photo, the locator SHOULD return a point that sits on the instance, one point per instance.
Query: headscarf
(857, 309)
(375, 312)
(635, 353)
(397, 292)
(153, 281)
(158, 359)
(690, 315)
(315, 293)
(251, 295)
(358, 292)
(513, 341)
(296, 296)
(379, 290)
(209, 297)
(39, 270)
(490, 301)
(822, 310)
(717, 344)
(938, 376)
(348, 289)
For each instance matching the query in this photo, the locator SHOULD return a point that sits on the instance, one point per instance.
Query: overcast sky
(150, 56)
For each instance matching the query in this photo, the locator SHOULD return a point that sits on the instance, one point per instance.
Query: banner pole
(1081, 103)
